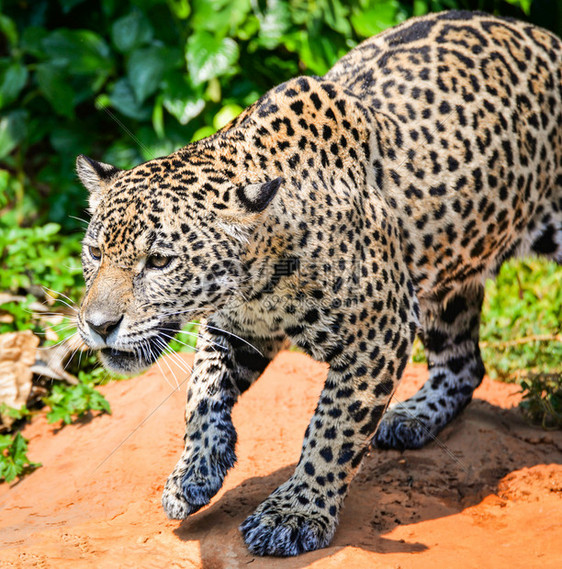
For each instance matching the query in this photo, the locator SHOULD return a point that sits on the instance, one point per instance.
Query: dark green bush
(128, 80)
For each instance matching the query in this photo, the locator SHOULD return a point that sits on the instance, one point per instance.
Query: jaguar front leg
(224, 367)
(302, 514)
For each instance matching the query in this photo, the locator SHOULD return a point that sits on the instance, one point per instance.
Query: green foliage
(13, 412)
(521, 328)
(70, 402)
(39, 256)
(128, 81)
(13, 457)
(39, 263)
(522, 335)
(542, 400)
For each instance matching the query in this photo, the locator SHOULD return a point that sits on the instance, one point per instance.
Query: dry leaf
(17, 355)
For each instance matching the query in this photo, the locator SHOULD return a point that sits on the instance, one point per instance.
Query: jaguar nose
(104, 327)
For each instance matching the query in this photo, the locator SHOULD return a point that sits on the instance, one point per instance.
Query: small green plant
(542, 400)
(13, 412)
(37, 265)
(521, 331)
(39, 256)
(13, 457)
(70, 402)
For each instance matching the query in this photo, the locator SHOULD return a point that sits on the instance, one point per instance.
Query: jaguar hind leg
(450, 336)
(547, 240)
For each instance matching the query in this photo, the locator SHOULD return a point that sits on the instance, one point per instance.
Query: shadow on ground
(469, 461)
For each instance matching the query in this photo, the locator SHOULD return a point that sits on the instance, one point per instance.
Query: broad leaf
(53, 83)
(225, 115)
(180, 8)
(336, 16)
(220, 17)
(13, 77)
(131, 31)
(79, 51)
(375, 19)
(32, 41)
(181, 99)
(12, 131)
(9, 30)
(274, 22)
(146, 67)
(123, 99)
(209, 57)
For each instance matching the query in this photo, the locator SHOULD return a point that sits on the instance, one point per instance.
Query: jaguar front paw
(280, 529)
(191, 486)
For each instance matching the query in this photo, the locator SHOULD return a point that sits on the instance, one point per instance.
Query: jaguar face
(154, 258)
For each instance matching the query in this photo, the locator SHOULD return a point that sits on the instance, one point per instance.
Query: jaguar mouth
(141, 356)
(121, 361)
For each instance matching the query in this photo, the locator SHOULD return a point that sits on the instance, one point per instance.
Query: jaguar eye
(158, 262)
(95, 252)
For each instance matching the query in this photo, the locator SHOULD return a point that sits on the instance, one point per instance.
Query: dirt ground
(488, 493)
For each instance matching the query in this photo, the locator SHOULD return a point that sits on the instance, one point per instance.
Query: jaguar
(346, 214)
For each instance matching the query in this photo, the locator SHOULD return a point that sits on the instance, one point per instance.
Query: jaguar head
(164, 246)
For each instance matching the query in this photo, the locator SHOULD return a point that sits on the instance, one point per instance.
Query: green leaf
(158, 118)
(525, 5)
(12, 131)
(14, 412)
(78, 51)
(274, 23)
(146, 68)
(336, 16)
(32, 41)
(13, 77)
(9, 471)
(180, 8)
(69, 141)
(202, 132)
(54, 85)
(13, 457)
(374, 19)
(225, 115)
(209, 57)
(74, 401)
(317, 52)
(109, 7)
(67, 5)
(8, 28)
(131, 31)
(5, 443)
(123, 99)
(420, 7)
(220, 17)
(122, 154)
(181, 99)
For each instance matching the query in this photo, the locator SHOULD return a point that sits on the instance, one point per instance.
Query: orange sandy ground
(488, 493)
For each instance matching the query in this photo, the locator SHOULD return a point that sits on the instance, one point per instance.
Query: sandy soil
(488, 493)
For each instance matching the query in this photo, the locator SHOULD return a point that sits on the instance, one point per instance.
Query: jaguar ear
(245, 207)
(256, 197)
(95, 176)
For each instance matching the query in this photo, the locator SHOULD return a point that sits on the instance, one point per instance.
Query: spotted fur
(346, 214)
